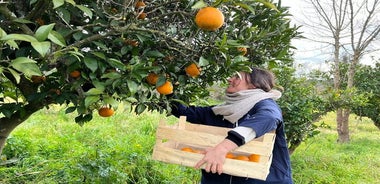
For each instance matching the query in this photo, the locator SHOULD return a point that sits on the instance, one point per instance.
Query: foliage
(118, 149)
(302, 105)
(368, 83)
(114, 50)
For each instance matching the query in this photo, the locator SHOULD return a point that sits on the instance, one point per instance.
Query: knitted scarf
(238, 104)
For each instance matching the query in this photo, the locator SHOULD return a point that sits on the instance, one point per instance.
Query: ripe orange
(132, 43)
(254, 158)
(140, 4)
(38, 79)
(230, 155)
(142, 16)
(242, 50)
(209, 19)
(187, 149)
(192, 70)
(242, 157)
(40, 21)
(105, 112)
(75, 74)
(152, 78)
(166, 88)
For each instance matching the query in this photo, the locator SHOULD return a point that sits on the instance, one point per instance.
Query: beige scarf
(238, 104)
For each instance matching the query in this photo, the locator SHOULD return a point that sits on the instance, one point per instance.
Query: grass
(51, 148)
(322, 160)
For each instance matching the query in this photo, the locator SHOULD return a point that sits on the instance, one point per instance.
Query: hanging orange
(166, 88)
(152, 78)
(242, 50)
(75, 74)
(140, 4)
(209, 19)
(192, 70)
(105, 112)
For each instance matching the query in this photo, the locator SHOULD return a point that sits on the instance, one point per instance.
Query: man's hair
(262, 79)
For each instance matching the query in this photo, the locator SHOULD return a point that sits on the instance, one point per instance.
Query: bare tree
(351, 27)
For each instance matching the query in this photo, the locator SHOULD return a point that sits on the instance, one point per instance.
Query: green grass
(322, 160)
(51, 148)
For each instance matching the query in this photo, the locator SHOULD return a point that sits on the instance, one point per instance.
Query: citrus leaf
(91, 63)
(57, 38)
(57, 3)
(198, 5)
(26, 66)
(94, 91)
(86, 10)
(89, 100)
(15, 74)
(43, 32)
(41, 47)
(22, 37)
(132, 86)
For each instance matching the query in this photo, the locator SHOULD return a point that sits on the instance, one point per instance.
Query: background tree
(352, 27)
(91, 55)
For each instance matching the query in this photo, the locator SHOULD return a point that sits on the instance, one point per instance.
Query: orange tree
(87, 55)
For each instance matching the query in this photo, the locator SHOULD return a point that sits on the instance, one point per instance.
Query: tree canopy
(87, 55)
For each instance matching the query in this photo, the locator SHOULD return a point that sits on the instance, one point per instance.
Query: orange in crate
(170, 139)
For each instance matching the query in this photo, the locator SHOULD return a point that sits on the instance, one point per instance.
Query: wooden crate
(171, 138)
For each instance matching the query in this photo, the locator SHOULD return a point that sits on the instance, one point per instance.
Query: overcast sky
(310, 54)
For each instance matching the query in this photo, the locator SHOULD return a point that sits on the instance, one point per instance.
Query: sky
(312, 55)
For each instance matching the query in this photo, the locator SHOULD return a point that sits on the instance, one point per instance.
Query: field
(51, 148)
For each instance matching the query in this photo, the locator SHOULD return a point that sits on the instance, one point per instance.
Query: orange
(140, 4)
(38, 79)
(209, 18)
(40, 21)
(254, 158)
(230, 155)
(75, 74)
(242, 50)
(187, 149)
(132, 43)
(152, 78)
(142, 16)
(242, 157)
(105, 112)
(166, 88)
(192, 70)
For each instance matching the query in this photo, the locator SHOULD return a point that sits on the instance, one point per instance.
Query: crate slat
(171, 138)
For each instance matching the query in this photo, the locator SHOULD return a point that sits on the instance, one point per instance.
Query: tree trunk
(342, 117)
(7, 126)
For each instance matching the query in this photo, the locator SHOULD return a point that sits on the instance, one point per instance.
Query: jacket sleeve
(194, 114)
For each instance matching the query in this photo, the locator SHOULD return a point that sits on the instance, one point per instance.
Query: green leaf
(116, 63)
(89, 100)
(24, 21)
(198, 5)
(15, 74)
(71, 2)
(26, 66)
(91, 63)
(133, 87)
(41, 47)
(43, 32)
(154, 53)
(22, 37)
(94, 91)
(70, 110)
(86, 10)
(57, 38)
(268, 4)
(140, 108)
(111, 101)
(58, 3)
(203, 61)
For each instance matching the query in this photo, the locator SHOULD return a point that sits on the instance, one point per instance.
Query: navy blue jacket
(264, 117)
